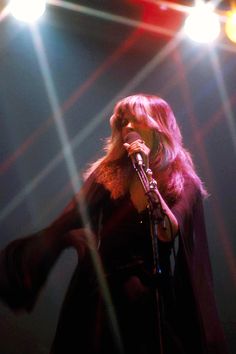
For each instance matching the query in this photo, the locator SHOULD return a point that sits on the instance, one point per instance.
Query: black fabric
(113, 301)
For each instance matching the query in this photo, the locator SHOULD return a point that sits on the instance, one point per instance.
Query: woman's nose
(128, 128)
(130, 125)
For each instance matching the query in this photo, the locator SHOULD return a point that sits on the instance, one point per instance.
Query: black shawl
(92, 320)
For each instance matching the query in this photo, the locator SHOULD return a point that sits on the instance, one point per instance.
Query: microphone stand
(156, 216)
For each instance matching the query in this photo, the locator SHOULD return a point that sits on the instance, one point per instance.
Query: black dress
(114, 304)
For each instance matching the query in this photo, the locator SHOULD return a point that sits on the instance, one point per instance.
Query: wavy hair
(170, 162)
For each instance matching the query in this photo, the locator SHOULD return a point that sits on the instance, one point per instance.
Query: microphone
(130, 138)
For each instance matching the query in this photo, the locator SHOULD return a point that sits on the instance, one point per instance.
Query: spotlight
(203, 24)
(27, 10)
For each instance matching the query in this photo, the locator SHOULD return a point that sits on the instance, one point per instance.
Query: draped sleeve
(193, 272)
(26, 262)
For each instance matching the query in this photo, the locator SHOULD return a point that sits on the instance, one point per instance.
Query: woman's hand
(82, 240)
(138, 146)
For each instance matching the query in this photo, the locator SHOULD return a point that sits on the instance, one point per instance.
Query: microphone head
(131, 137)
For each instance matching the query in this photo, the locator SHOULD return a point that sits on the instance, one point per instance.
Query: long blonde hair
(170, 162)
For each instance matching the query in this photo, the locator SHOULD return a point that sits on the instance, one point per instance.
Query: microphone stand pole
(156, 216)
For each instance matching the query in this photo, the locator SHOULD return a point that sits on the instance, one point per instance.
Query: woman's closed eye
(121, 123)
(124, 122)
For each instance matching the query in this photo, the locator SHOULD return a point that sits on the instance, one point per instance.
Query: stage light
(203, 24)
(230, 25)
(27, 10)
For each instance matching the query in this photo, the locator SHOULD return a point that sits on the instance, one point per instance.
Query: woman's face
(129, 123)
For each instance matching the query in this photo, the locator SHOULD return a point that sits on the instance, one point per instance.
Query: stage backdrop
(58, 84)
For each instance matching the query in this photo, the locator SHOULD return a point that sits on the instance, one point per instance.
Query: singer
(116, 303)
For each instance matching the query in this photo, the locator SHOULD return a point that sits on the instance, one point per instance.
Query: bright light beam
(75, 181)
(55, 106)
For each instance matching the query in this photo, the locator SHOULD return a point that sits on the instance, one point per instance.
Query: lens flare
(203, 24)
(27, 10)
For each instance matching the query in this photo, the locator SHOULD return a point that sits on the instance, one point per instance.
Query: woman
(116, 303)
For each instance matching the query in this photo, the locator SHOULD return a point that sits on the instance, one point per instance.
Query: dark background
(92, 61)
